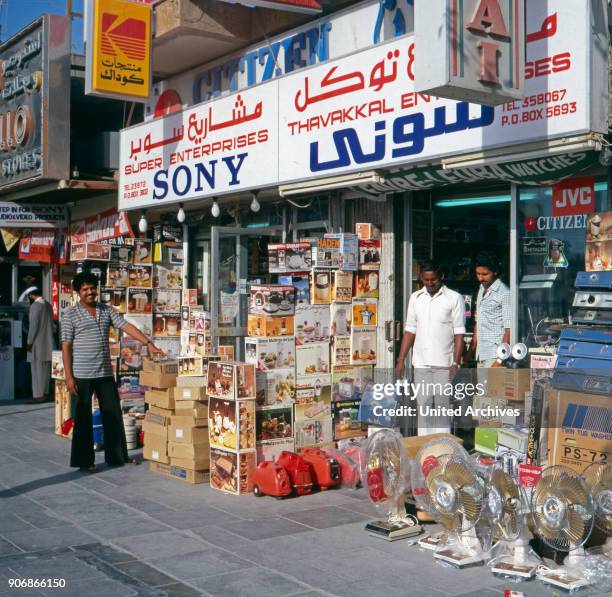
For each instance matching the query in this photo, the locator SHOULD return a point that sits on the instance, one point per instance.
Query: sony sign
(470, 50)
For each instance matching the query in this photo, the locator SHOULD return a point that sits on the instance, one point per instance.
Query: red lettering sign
(37, 245)
(104, 226)
(574, 197)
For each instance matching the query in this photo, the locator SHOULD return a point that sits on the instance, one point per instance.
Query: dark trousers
(115, 446)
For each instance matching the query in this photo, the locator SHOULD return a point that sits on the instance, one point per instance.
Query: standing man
(493, 313)
(435, 326)
(40, 344)
(88, 369)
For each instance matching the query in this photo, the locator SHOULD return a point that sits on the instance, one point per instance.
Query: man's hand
(452, 372)
(496, 363)
(400, 368)
(73, 388)
(154, 350)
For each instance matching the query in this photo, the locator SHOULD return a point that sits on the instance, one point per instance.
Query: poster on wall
(598, 256)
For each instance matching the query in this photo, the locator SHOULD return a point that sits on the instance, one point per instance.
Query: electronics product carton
(272, 300)
(366, 231)
(231, 380)
(301, 285)
(157, 381)
(276, 387)
(348, 382)
(326, 253)
(320, 287)
(369, 254)
(271, 450)
(312, 323)
(346, 422)
(232, 472)
(313, 433)
(348, 250)
(341, 286)
(155, 448)
(270, 353)
(511, 384)
(231, 424)
(312, 359)
(367, 284)
(340, 350)
(485, 440)
(190, 297)
(363, 345)
(179, 473)
(274, 423)
(163, 398)
(289, 257)
(195, 365)
(364, 312)
(165, 367)
(270, 327)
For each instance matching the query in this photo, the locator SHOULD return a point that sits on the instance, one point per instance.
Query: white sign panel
(225, 146)
(15, 215)
(361, 112)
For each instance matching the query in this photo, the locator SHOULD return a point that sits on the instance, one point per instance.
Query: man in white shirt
(435, 326)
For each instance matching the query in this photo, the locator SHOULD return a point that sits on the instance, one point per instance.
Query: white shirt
(435, 320)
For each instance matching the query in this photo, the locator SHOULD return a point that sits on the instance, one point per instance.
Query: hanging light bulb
(215, 210)
(180, 216)
(255, 206)
(142, 223)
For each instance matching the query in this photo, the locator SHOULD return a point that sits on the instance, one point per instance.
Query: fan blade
(572, 491)
(458, 474)
(575, 527)
(469, 505)
(549, 533)
(433, 475)
(446, 520)
(605, 476)
(546, 487)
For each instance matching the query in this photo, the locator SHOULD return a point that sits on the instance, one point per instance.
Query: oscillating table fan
(598, 477)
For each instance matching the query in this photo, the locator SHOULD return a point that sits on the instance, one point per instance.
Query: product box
(320, 408)
(271, 450)
(191, 408)
(192, 344)
(161, 412)
(598, 256)
(130, 359)
(197, 365)
(485, 440)
(144, 322)
(480, 404)
(366, 231)
(367, 284)
(312, 359)
(63, 410)
(155, 424)
(190, 297)
(326, 253)
(272, 300)
(90, 252)
(514, 439)
(511, 384)
(118, 275)
(142, 251)
(167, 233)
(232, 472)
(155, 448)
(311, 394)
(166, 300)
(139, 300)
(276, 387)
(115, 297)
(301, 284)
(192, 382)
(369, 254)
(128, 387)
(270, 353)
(195, 320)
(287, 258)
(348, 250)
(155, 380)
(170, 253)
(164, 367)
(167, 325)
(578, 434)
(313, 433)
(186, 432)
(191, 393)
(57, 365)
(171, 346)
(341, 286)
(340, 350)
(340, 318)
(346, 424)
(270, 327)
(201, 462)
(320, 287)
(158, 397)
(140, 276)
(180, 473)
(599, 226)
(231, 424)
(274, 423)
(198, 454)
(312, 323)
(226, 353)
(121, 254)
(413, 444)
(363, 345)
(168, 276)
(364, 312)
(231, 380)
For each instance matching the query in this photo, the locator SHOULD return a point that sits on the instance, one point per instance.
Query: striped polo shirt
(89, 337)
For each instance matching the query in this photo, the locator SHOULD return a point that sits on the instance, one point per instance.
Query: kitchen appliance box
(179, 473)
(312, 359)
(171, 253)
(166, 300)
(194, 382)
(90, 251)
(348, 249)
(363, 345)
(367, 284)
(156, 448)
(272, 300)
(369, 254)
(341, 286)
(320, 409)
(345, 420)
(313, 433)
(231, 424)
(271, 450)
(366, 231)
(190, 297)
(195, 365)
(276, 387)
(578, 434)
(326, 253)
(511, 384)
(310, 395)
(348, 382)
(270, 353)
(312, 323)
(164, 367)
(340, 318)
(140, 276)
(301, 284)
(289, 257)
(340, 350)
(270, 326)
(231, 472)
(364, 312)
(231, 380)
(168, 276)
(320, 287)
(273, 424)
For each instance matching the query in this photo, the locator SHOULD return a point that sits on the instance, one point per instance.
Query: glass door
(238, 258)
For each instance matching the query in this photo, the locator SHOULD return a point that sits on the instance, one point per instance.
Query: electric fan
(598, 477)
(563, 514)
(387, 480)
(426, 459)
(511, 555)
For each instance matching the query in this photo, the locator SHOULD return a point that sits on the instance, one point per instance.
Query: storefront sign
(118, 49)
(542, 223)
(303, 6)
(10, 238)
(16, 215)
(37, 245)
(103, 226)
(474, 49)
(228, 146)
(575, 196)
(35, 103)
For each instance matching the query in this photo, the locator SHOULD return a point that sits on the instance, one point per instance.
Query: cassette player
(587, 350)
(601, 280)
(591, 333)
(592, 316)
(566, 379)
(593, 300)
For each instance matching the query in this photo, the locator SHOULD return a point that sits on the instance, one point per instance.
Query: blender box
(346, 424)
(312, 323)
(340, 350)
(348, 249)
(363, 345)
(301, 285)
(270, 353)
(320, 287)
(367, 284)
(231, 380)
(231, 424)
(274, 423)
(275, 388)
(348, 382)
(312, 359)
(272, 300)
(289, 257)
(364, 312)
(341, 286)
(340, 316)
(369, 254)
(270, 327)
(366, 231)
(313, 433)
(326, 253)
(231, 472)
(168, 276)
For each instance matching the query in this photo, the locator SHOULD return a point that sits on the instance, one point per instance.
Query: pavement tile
(64, 566)
(106, 553)
(7, 548)
(201, 563)
(99, 588)
(264, 528)
(11, 522)
(253, 582)
(41, 519)
(39, 539)
(159, 545)
(326, 517)
(185, 519)
(177, 590)
(124, 527)
(145, 574)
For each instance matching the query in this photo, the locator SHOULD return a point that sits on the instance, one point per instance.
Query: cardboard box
(168, 276)
(367, 231)
(514, 439)
(232, 424)
(271, 450)
(364, 312)
(193, 464)
(188, 434)
(226, 353)
(156, 424)
(63, 408)
(301, 284)
(195, 365)
(340, 350)
(312, 323)
(190, 297)
(485, 440)
(193, 382)
(275, 388)
(191, 408)
(180, 419)
(272, 300)
(166, 300)
(289, 257)
(191, 393)
(313, 433)
(160, 398)
(346, 424)
(156, 448)
(168, 367)
(231, 472)
(412, 445)
(274, 423)
(139, 301)
(511, 384)
(363, 345)
(319, 408)
(162, 412)
(231, 380)
(270, 353)
(169, 252)
(154, 380)
(340, 319)
(193, 457)
(311, 395)
(270, 327)
(578, 434)
(369, 254)
(367, 284)
(348, 382)
(312, 359)
(320, 287)
(180, 473)
(57, 365)
(342, 286)
(348, 250)
(140, 276)
(326, 253)
(90, 252)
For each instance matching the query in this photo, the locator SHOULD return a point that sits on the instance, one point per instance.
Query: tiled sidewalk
(128, 532)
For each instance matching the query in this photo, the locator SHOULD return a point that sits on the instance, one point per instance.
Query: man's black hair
(490, 261)
(429, 265)
(84, 278)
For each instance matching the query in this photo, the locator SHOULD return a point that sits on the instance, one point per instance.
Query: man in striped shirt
(88, 369)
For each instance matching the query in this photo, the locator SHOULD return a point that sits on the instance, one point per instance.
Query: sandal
(89, 469)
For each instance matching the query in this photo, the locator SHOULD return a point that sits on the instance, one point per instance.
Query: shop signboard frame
(35, 103)
(32, 215)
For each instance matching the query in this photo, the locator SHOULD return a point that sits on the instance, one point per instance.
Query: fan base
(392, 531)
(563, 580)
(457, 558)
(431, 542)
(522, 571)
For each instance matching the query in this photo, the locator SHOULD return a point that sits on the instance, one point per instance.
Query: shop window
(6, 284)
(551, 252)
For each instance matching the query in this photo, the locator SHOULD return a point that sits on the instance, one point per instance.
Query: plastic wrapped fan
(350, 475)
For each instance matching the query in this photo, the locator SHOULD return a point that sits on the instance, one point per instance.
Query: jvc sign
(574, 197)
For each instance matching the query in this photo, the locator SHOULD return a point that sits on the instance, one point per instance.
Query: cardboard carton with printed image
(289, 257)
(316, 432)
(363, 345)
(274, 423)
(276, 387)
(166, 300)
(348, 250)
(320, 287)
(341, 319)
(301, 284)
(231, 424)
(369, 254)
(274, 300)
(312, 359)
(341, 286)
(231, 472)
(270, 327)
(340, 350)
(364, 312)
(346, 422)
(312, 324)
(231, 380)
(271, 450)
(140, 276)
(367, 284)
(168, 276)
(270, 353)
